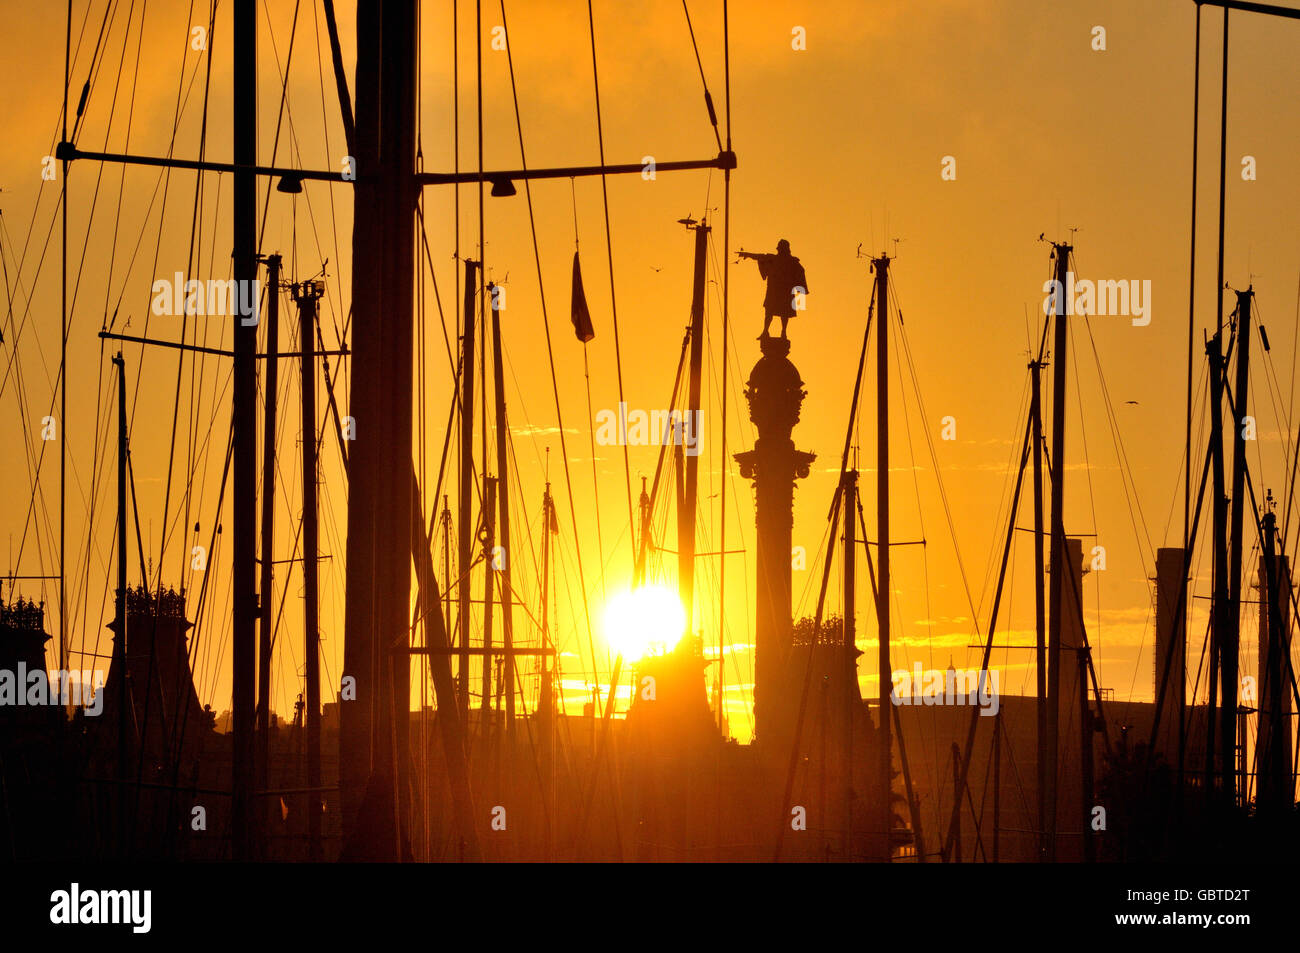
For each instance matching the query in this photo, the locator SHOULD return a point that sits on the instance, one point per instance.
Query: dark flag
(579, 314)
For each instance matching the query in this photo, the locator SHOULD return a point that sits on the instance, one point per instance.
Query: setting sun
(644, 621)
(511, 450)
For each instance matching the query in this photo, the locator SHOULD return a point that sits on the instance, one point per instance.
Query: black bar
(243, 581)
(208, 350)
(306, 301)
(1266, 8)
(69, 152)
(724, 160)
(266, 542)
(172, 344)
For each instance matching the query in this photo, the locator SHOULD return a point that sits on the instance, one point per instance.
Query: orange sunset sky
(839, 145)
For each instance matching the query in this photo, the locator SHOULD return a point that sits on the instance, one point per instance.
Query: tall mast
(306, 294)
(63, 358)
(1057, 548)
(881, 265)
(686, 511)
(1220, 604)
(243, 413)
(1274, 784)
(268, 530)
(1085, 759)
(400, 194)
(546, 573)
(464, 530)
(1232, 631)
(546, 698)
(374, 717)
(503, 522)
(446, 563)
(850, 649)
(1040, 616)
(489, 541)
(119, 636)
(643, 536)
(1222, 599)
(357, 715)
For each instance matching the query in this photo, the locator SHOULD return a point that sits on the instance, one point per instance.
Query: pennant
(579, 314)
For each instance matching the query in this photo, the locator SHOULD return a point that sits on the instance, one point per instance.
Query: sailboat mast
(546, 697)
(1040, 609)
(546, 580)
(503, 523)
(357, 716)
(374, 725)
(400, 195)
(686, 511)
(267, 547)
(243, 413)
(446, 563)
(119, 640)
(306, 295)
(1057, 549)
(1220, 603)
(546, 553)
(881, 266)
(850, 649)
(63, 359)
(1086, 730)
(489, 541)
(643, 536)
(464, 531)
(1232, 631)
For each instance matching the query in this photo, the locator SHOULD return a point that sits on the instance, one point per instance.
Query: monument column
(775, 393)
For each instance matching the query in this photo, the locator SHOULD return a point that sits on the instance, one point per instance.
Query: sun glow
(645, 621)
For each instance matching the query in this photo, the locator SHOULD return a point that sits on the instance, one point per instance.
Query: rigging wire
(708, 98)
(1290, 493)
(726, 339)
(609, 248)
(192, 255)
(586, 375)
(550, 353)
(934, 459)
(63, 356)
